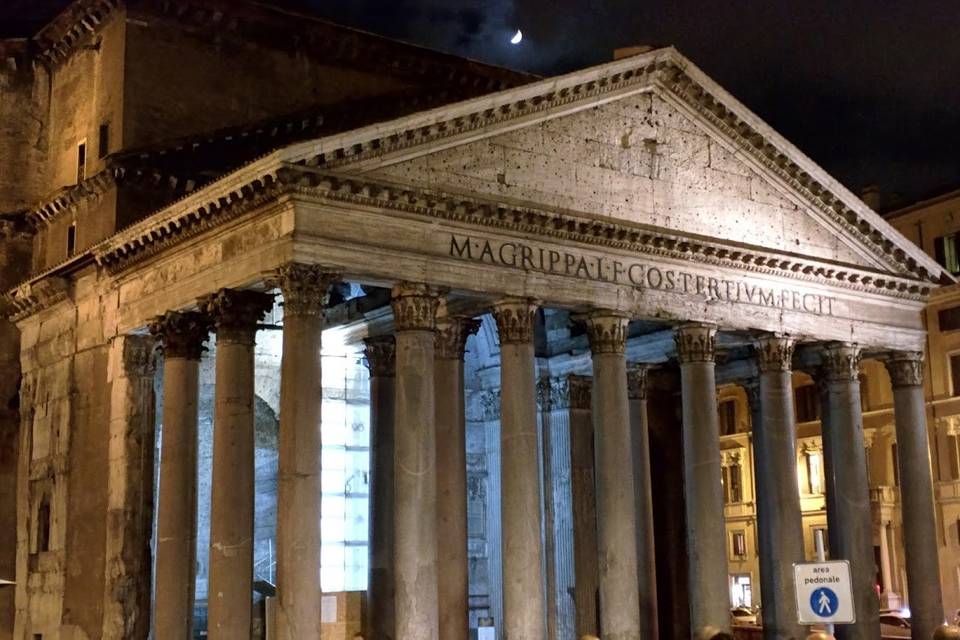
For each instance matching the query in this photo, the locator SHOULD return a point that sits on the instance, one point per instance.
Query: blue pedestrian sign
(824, 602)
(823, 592)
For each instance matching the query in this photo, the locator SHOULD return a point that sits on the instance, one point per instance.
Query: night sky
(870, 89)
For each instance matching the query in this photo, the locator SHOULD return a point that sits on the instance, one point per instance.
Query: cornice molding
(31, 298)
(124, 250)
(58, 39)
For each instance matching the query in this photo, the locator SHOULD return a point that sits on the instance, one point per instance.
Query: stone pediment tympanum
(639, 184)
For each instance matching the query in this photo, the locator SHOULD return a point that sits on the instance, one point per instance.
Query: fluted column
(616, 509)
(706, 539)
(380, 352)
(230, 602)
(453, 579)
(304, 289)
(583, 492)
(850, 526)
(916, 494)
(643, 490)
(181, 337)
(779, 519)
(415, 498)
(523, 589)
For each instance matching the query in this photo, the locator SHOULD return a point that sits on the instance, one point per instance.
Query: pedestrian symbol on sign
(824, 602)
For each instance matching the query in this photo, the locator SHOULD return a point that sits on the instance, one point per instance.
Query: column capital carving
(181, 334)
(414, 306)
(452, 334)
(905, 368)
(774, 352)
(579, 392)
(515, 320)
(607, 331)
(139, 356)
(752, 389)
(841, 362)
(305, 287)
(380, 356)
(637, 381)
(696, 342)
(235, 313)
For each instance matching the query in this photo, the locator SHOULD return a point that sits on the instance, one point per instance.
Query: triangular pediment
(640, 159)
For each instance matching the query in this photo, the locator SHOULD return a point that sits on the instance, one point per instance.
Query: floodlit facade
(311, 332)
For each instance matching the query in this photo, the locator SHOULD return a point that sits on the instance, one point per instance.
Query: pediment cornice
(123, 252)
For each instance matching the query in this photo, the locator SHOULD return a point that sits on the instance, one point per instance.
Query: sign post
(824, 595)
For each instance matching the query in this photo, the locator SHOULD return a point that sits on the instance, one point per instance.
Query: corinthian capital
(607, 331)
(696, 342)
(637, 381)
(236, 313)
(580, 391)
(841, 362)
(774, 352)
(380, 356)
(515, 318)
(182, 334)
(415, 307)
(452, 334)
(905, 368)
(305, 287)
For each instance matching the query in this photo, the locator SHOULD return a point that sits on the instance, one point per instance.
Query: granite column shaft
(643, 490)
(415, 513)
(616, 507)
(524, 600)
(706, 546)
(181, 337)
(453, 579)
(916, 494)
(304, 289)
(230, 601)
(380, 354)
(779, 518)
(583, 492)
(850, 526)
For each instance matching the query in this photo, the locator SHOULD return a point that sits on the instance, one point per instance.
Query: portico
(676, 229)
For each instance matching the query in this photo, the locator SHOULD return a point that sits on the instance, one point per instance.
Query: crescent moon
(517, 37)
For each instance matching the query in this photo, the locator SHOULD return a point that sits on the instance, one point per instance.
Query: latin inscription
(519, 255)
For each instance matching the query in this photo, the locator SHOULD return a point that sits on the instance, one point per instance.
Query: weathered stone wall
(24, 99)
(183, 80)
(638, 159)
(14, 262)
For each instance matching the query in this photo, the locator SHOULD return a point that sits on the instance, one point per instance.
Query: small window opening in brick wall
(71, 239)
(81, 161)
(43, 525)
(103, 141)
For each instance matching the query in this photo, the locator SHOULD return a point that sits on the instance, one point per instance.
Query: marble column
(380, 352)
(583, 491)
(916, 494)
(230, 601)
(524, 601)
(181, 337)
(304, 288)
(643, 504)
(616, 508)
(850, 526)
(453, 579)
(415, 498)
(779, 518)
(706, 527)
(129, 523)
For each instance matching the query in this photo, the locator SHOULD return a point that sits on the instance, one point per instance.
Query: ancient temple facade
(553, 285)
